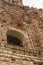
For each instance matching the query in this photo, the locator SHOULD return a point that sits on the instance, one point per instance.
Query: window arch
(15, 37)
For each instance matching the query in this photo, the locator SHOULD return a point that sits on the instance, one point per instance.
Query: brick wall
(28, 21)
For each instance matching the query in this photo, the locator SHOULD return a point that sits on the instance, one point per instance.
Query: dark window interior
(14, 40)
(13, 1)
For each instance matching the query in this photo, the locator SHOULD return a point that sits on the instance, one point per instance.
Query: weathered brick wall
(28, 21)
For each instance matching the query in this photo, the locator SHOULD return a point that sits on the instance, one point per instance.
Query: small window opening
(13, 1)
(15, 38)
(2, 39)
(4, 21)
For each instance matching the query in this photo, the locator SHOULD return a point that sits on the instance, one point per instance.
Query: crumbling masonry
(21, 34)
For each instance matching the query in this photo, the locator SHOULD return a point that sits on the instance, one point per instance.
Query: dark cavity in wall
(13, 40)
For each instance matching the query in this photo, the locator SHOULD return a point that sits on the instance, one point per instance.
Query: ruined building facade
(19, 2)
(21, 34)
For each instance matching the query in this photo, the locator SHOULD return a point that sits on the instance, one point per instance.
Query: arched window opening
(15, 38)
